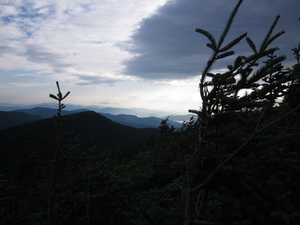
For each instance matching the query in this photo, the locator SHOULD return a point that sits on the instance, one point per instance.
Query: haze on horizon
(124, 54)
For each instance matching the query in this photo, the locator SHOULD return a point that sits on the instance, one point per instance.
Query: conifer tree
(234, 108)
(59, 122)
(164, 130)
(293, 94)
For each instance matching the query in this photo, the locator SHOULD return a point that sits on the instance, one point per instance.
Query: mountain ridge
(124, 119)
(45, 112)
(11, 118)
(140, 112)
(89, 129)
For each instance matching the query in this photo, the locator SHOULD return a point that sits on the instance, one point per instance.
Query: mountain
(131, 111)
(138, 122)
(22, 116)
(90, 129)
(48, 112)
(111, 110)
(128, 120)
(123, 116)
(10, 119)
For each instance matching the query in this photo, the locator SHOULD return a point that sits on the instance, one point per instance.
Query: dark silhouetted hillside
(96, 129)
(10, 119)
(91, 128)
(128, 120)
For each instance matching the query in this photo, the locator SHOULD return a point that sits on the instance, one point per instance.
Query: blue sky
(124, 53)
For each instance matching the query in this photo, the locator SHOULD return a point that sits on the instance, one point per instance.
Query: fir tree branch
(251, 44)
(229, 23)
(233, 43)
(266, 42)
(209, 36)
(271, 39)
(225, 54)
(240, 148)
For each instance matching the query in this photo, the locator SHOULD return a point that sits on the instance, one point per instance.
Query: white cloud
(7, 10)
(85, 45)
(81, 34)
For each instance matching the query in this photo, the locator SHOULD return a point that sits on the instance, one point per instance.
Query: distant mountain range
(140, 112)
(21, 116)
(48, 112)
(89, 129)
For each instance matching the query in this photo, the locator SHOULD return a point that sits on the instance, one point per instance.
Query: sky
(125, 53)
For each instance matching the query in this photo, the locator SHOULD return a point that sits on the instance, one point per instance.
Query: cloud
(30, 85)
(165, 46)
(25, 17)
(94, 80)
(41, 55)
(57, 35)
(120, 50)
(5, 50)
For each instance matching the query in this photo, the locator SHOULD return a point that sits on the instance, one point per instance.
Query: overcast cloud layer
(166, 45)
(124, 53)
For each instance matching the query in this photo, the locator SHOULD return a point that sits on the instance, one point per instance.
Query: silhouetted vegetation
(235, 163)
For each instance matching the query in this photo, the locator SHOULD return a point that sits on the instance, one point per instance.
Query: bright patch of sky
(123, 53)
